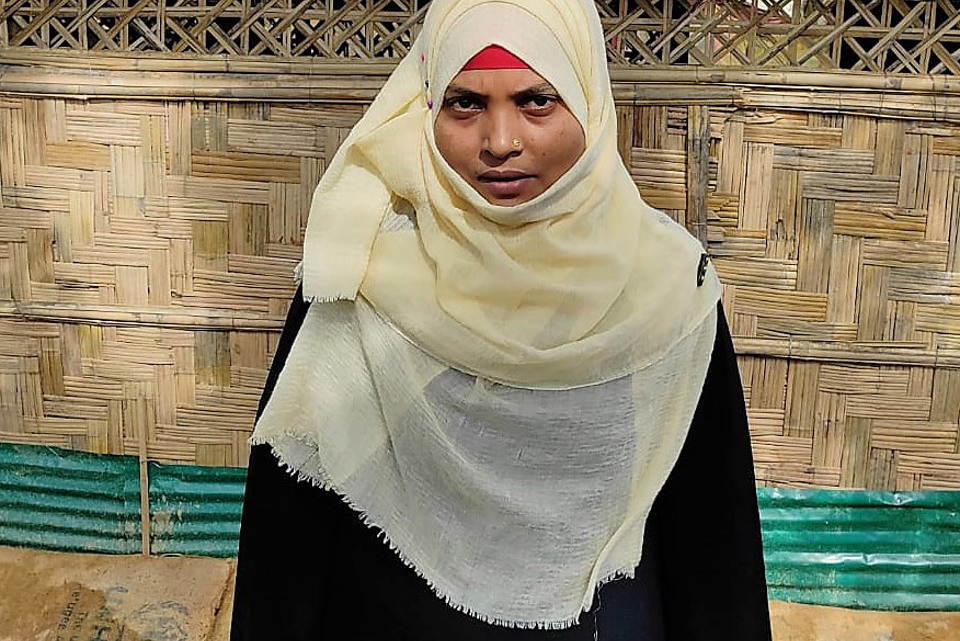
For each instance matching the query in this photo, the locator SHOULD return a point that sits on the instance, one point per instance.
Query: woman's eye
(541, 102)
(462, 104)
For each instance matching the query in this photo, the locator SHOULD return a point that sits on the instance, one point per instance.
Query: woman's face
(507, 133)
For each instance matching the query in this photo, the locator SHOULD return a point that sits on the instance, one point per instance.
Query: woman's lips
(505, 185)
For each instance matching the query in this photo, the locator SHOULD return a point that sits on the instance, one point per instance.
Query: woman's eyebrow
(535, 90)
(528, 92)
(456, 90)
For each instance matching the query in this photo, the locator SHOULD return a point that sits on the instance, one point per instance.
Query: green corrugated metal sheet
(860, 549)
(195, 510)
(72, 501)
(877, 550)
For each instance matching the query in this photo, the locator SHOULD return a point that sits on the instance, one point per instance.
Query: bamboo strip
(24, 218)
(216, 300)
(332, 82)
(58, 178)
(182, 208)
(207, 419)
(251, 377)
(938, 318)
(886, 353)
(32, 435)
(882, 468)
(814, 235)
(126, 372)
(117, 256)
(153, 63)
(858, 379)
(34, 133)
(793, 135)
(938, 198)
(44, 199)
(739, 243)
(888, 222)
(145, 354)
(916, 151)
(945, 400)
(888, 407)
(731, 158)
(774, 449)
(800, 412)
(180, 136)
(829, 428)
(935, 481)
(258, 167)
(782, 223)
(216, 189)
(924, 286)
(872, 303)
(902, 254)
(795, 305)
(141, 228)
(697, 170)
(74, 407)
(174, 318)
(859, 133)
(797, 475)
(103, 128)
(768, 383)
(773, 327)
(288, 138)
(756, 186)
(659, 166)
(829, 160)
(914, 436)
(344, 116)
(284, 219)
(761, 272)
(765, 422)
(944, 463)
(849, 186)
(890, 141)
(238, 396)
(285, 251)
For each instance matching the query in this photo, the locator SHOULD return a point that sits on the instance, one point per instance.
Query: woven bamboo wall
(146, 247)
(153, 245)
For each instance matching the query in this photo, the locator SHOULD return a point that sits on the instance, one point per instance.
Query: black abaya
(309, 570)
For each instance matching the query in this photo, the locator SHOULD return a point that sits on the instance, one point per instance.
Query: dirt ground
(49, 596)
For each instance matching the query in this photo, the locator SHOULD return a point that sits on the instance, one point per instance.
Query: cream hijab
(502, 391)
(580, 285)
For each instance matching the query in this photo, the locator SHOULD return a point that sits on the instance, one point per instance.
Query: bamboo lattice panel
(146, 250)
(892, 36)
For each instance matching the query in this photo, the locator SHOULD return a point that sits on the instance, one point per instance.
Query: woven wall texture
(891, 36)
(147, 246)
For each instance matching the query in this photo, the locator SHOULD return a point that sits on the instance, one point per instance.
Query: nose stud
(516, 143)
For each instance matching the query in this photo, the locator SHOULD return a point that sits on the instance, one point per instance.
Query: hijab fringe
(320, 480)
(298, 279)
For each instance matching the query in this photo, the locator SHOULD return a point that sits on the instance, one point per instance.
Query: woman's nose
(502, 133)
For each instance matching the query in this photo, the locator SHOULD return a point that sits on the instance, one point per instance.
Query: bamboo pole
(864, 353)
(100, 77)
(121, 316)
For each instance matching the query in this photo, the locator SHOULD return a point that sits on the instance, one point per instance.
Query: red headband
(494, 57)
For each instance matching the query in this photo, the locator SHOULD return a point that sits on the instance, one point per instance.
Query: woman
(505, 388)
